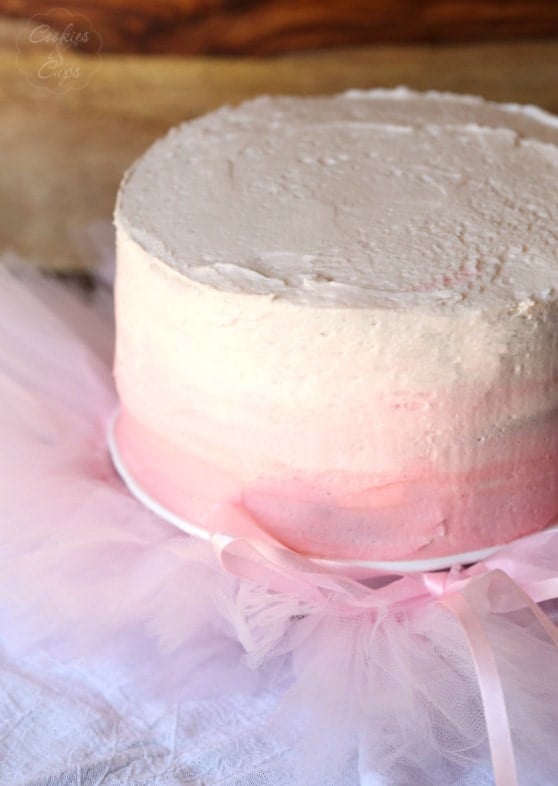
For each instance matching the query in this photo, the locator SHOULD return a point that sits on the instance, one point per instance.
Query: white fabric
(76, 724)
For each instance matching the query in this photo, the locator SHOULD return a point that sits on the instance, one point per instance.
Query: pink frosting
(425, 515)
(455, 466)
(411, 424)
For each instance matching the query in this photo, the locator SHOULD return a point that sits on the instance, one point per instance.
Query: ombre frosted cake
(341, 315)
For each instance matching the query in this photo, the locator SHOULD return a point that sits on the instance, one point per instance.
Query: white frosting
(381, 198)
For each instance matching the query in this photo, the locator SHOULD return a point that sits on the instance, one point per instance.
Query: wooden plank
(273, 26)
(66, 151)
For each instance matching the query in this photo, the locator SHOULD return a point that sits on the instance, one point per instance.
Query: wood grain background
(272, 26)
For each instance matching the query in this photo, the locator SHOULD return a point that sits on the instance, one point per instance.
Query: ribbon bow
(503, 581)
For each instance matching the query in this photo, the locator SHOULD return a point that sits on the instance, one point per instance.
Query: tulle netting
(391, 691)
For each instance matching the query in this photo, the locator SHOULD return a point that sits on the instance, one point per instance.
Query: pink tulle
(390, 688)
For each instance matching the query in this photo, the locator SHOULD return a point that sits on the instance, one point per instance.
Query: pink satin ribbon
(275, 567)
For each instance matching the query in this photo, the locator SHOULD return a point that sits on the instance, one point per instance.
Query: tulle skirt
(428, 680)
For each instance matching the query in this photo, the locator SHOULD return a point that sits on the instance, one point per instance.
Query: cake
(340, 315)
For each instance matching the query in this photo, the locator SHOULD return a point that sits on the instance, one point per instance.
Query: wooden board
(63, 153)
(273, 26)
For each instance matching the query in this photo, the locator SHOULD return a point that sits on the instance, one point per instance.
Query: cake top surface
(383, 198)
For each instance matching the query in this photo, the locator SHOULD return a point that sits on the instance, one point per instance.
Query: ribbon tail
(492, 693)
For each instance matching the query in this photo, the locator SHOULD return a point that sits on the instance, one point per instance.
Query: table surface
(65, 149)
